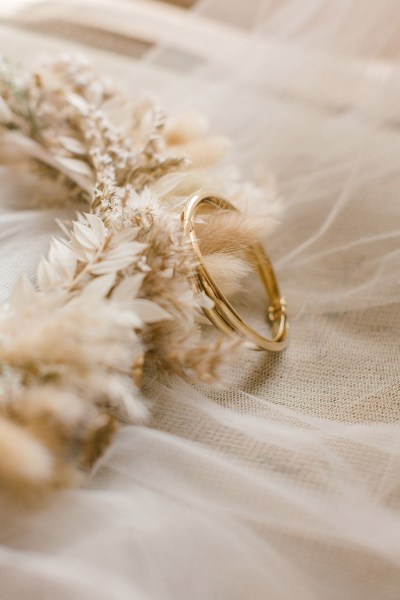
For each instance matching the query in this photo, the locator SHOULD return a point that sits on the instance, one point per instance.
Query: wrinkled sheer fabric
(285, 481)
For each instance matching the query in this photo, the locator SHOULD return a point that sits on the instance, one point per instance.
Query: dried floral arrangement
(115, 289)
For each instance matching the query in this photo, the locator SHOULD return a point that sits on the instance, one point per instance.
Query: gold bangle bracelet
(222, 314)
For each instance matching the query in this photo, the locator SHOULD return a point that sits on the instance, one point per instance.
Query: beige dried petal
(86, 237)
(98, 227)
(45, 275)
(62, 259)
(128, 289)
(73, 145)
(131, 249)
(125, 235)
(110, 266)
(79, 103)
(150, 312)
(99, 286)
(74, 165)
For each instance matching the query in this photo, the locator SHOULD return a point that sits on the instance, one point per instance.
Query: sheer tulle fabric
(285, 482)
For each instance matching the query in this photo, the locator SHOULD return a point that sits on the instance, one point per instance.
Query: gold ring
(222, 314)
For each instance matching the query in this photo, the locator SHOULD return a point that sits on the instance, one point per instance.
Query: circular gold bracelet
(222, 314)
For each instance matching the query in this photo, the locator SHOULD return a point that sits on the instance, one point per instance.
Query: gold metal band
(222, 314)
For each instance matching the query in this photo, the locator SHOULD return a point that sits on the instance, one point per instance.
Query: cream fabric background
(285, 482)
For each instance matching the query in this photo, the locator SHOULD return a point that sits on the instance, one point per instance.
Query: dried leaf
(23, 293)
(79, 103)
(110, 266)
(75, 165)
(150, 312)
(131, 249)
(125, 235)
(62, 259)
(86, 237)
(73, 145)
(98, 227)
(45, 275)
(99, 286)
(128, 289)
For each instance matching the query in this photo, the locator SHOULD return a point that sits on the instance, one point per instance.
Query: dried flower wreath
(116, 289)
